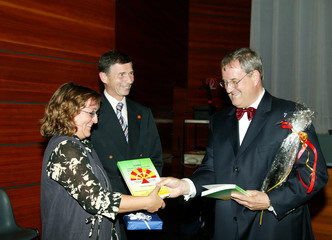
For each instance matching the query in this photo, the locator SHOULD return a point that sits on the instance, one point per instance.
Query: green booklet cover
(140, 176)
(222, 191)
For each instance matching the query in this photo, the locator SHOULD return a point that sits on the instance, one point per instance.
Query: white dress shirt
(244, 122)
(114, 102)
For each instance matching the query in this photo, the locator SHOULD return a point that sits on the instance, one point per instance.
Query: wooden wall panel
(203, 66)
(20, 165)
(23, 126)
(77, 30)
(30, 78)
(156, 38)
(43, 44)
(215, 27)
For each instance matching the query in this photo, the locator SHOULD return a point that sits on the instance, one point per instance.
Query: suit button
(110, 156)
(235, 219)
(237, 169)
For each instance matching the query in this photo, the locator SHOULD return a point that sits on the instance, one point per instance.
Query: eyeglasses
(92, 114)
(232, 83)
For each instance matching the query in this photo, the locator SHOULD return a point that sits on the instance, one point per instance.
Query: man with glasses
(244, 148)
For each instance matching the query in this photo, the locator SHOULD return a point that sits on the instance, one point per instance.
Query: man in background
(126, 129)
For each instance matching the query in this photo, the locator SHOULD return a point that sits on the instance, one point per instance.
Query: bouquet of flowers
(299, 121)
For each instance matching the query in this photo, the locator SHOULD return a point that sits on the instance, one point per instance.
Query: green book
(141, 176)
(222, 191)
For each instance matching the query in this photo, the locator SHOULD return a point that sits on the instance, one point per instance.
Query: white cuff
(192, 189)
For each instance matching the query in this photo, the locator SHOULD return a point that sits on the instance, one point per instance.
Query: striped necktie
(123, 123)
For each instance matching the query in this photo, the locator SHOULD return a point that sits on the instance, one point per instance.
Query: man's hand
(255, 201)
(175, 186)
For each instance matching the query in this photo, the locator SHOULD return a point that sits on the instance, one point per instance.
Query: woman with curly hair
(77, 201)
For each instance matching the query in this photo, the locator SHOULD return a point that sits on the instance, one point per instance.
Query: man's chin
(126, 93)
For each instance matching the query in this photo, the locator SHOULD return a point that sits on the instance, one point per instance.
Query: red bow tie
(250, 111)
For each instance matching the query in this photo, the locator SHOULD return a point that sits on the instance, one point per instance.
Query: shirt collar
(113, 101)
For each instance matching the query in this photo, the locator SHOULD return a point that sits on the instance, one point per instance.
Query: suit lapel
(113, 128)
(232, 127)
(257, 123)
(134, 124)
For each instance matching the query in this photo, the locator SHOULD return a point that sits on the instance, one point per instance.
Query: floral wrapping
(299, 121)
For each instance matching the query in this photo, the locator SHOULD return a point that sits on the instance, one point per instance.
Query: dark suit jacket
(111, 146)
(247, 166)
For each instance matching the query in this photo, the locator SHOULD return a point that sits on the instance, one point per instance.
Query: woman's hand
(154, 201)
(151, 203)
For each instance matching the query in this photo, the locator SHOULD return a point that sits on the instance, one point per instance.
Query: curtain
(294, 38)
